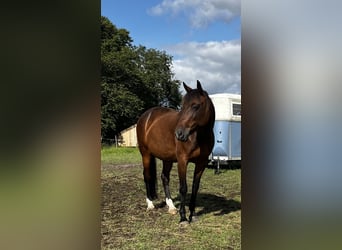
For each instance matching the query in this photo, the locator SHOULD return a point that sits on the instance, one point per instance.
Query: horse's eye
(195, 106)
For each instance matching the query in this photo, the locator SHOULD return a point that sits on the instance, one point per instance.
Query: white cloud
(216, 64)
(200, 12)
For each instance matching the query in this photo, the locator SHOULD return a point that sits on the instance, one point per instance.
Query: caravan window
(237, 109)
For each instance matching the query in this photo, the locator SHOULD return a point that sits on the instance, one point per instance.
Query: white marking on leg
(149, 204)
(172, 208)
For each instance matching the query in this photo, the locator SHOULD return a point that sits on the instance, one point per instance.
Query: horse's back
(153, 112)
(149, 116)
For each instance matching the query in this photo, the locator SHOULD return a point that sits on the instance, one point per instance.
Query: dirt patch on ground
(123, 204)
(125, 223)
(109, 167)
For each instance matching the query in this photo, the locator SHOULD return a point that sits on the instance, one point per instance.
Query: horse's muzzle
(182, 134)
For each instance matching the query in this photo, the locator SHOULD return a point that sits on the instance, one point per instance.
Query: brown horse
(172, 136)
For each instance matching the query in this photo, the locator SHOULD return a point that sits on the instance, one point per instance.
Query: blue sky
(204, 37)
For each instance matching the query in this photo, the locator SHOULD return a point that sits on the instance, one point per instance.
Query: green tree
(155, 72)
(133, 79)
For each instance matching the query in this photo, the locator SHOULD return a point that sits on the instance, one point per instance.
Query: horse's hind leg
(150, 173)
(165, 176)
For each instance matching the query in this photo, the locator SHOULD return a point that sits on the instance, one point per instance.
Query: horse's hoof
(150, 205)
(194, 219)
(184, 223)
(173, 211)
(149, 209)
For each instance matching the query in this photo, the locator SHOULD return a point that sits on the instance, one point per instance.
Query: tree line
(133, 79)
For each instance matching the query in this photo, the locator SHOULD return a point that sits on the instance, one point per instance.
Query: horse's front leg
(199, 169)
(183, 188)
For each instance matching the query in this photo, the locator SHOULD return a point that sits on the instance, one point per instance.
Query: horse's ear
(199, 87)
(186, 87)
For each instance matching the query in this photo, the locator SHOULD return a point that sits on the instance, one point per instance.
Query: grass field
(113, 155)
(127, 225)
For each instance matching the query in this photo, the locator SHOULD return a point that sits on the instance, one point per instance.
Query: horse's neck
(206, 129)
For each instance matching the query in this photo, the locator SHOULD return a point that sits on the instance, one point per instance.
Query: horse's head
(197, 111)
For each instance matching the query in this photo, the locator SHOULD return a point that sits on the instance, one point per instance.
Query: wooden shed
(129, 137)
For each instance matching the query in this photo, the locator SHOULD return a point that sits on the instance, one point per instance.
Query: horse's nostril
(179, 134)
